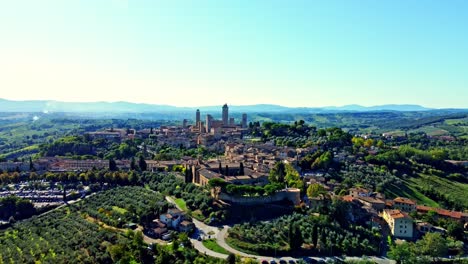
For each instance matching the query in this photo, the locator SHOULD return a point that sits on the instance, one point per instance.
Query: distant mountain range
(127, 107)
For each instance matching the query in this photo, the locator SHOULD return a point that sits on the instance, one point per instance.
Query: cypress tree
(315, 235)
(112, 165)
(241, 168)
(142, 164)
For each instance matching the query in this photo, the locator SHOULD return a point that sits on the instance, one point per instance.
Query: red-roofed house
(404, 204)
(400, 223)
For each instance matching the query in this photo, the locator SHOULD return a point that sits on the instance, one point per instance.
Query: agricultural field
(86, 231)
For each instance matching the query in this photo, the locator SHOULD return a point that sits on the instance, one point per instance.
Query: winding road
(221, 234)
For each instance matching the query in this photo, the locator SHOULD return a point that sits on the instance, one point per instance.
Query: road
(221, 234)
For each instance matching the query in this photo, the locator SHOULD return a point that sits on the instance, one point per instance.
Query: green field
(455, 190)
(211, 244)
(430, 131)
(409, 191)
(181, 204)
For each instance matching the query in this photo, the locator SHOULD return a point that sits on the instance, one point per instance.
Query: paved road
(202, 230)
(198, 245)
(221, 234)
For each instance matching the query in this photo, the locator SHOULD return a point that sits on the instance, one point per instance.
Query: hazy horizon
(234, 105)
(295, 54)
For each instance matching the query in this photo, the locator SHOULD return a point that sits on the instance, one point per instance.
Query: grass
(181, 204)
(119, 210)
(409, 191)
(456, 121)
(197, 214)
(455, 190)
(211, 244)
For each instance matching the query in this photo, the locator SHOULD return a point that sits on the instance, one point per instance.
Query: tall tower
(225, 115)
(244, 120)
(208, 123)
(197, 117)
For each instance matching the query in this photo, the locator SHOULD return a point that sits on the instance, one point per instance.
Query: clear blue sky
(294, 53)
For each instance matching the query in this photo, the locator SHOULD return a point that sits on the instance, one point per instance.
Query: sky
(195, 53)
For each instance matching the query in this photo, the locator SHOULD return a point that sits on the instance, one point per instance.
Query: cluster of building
(214, 126)
(395, 213)
(235, 173)
(174, 219)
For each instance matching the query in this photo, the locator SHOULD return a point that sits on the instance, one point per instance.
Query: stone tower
(244, 120)
(225, 115)
(197, 117)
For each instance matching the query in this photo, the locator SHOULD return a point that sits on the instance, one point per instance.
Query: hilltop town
(337, 193)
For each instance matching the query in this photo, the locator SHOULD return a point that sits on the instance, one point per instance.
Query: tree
(321, 132)
(186, 174)
(323, 162)
(216, 182)
(455, 230)
(433, 245)
(278, 173)
(315, 235)
(380, 143)
(31, 165)
(132, 164)
(231, 259)
(368, 143)
(220, 168)
(25, 208)
(112, 165)
(315, 189)
(142, 163)
(402, 253)
(295, 236)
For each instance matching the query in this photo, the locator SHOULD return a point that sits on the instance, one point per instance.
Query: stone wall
(291, 194)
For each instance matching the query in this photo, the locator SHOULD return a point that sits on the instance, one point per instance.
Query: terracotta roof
(442, 212)
(186, 223)
(395, 214)
(160, 230)
(359, 189)
(404, 200)
(371, 200)
(168, 216)
(347, 198)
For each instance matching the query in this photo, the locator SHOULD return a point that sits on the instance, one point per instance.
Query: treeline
(409, 160)
(244, 189)
(83, 147)
(429, 249)
(300, 134)
(13, 208)
(306, 234)
(73, 234)
(198, 200)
